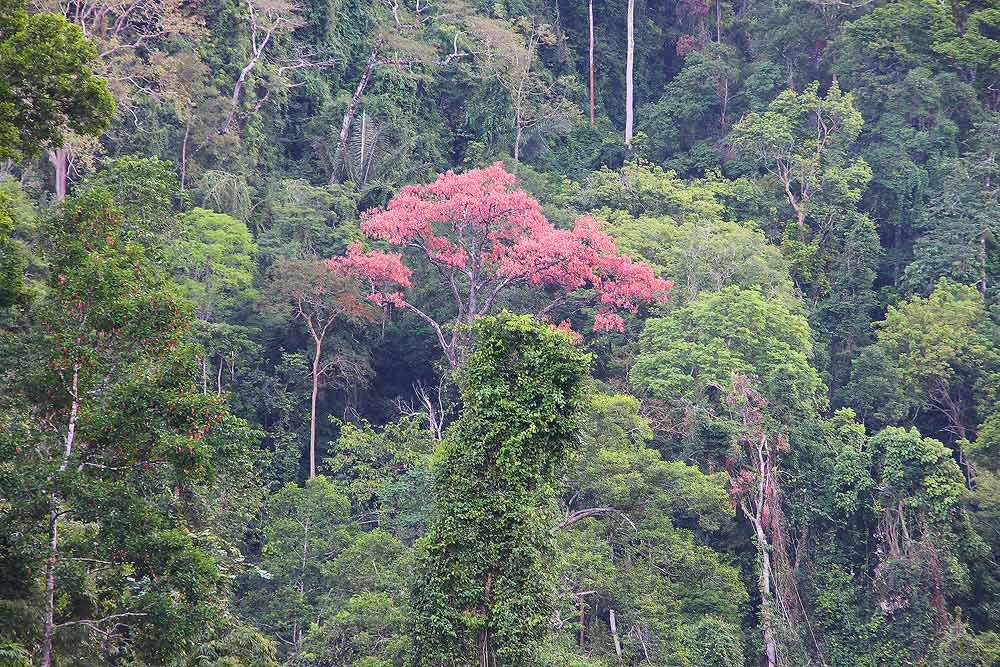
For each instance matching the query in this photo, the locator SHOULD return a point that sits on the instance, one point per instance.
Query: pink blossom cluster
(486, 235)
(382, 271)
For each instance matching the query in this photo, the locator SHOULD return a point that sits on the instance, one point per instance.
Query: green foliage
(12, 655)
(615, 468)
(304, 531)
(909, 491)
(644, 189)
(130, 452)
(630, 516)
(307, 222)
(804, 140)
(21, 263)
(146, 190)
(368, 630)
(977, 49)
(12, 263)
(689, 356)
(212, 260)
(930, 353)
(961, 648)
(916, 473)
(695, 105)
(960, 228)
(684, 230)
(364, 622)
(482, 585)
(385, 472)
(46, 85)
(712, 642)
(705, 255)
(807, 144)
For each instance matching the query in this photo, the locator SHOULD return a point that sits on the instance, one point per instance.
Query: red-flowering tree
(484, 236)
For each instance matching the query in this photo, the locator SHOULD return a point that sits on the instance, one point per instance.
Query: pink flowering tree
(484, 237)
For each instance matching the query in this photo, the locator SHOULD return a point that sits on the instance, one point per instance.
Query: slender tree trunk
(519, 104)
(798, 204)
(352, 108)
(257, 53)
(297, 633)
(767, 601)
(184, 150)
(218, 379)
(484, 649)
(364, 138)
(724, 104)
(48, 628)
(590, 15)
(60, 160)
(755, 509)
(312, 408)
(982, 263)
(718, 21)
(629, 67)
(614, 633)
(48, 624)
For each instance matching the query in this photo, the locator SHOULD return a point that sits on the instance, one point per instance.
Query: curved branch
(580, 515)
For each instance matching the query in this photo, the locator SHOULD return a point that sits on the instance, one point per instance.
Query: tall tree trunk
(48, 624)
(256, 54)
(312, 408)
(184, 151)
(484, 649)
(982, 263)
(767, 596)
(718, 21)
(590, 14)
(629, 67)
(755, 510)
(614, 633)
(48, 627)
(60, 160)
(352, 108)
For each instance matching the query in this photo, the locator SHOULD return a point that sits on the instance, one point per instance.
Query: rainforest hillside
(509, 333)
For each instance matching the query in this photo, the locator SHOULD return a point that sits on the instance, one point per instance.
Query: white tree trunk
(590, 15)
(629, 67)
(312, 410)
(48, 624)
(614, 633)
(345, 126)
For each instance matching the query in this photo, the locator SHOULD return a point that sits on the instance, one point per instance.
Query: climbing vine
(482, 597)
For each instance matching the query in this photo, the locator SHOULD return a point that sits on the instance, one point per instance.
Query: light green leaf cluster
(690, 355)
(213, 261)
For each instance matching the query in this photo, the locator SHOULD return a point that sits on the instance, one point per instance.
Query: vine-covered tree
(482, 596)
